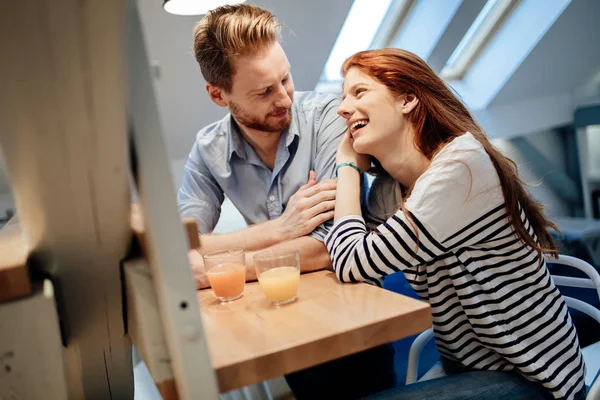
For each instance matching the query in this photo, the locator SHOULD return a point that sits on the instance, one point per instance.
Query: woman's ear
(409, 103)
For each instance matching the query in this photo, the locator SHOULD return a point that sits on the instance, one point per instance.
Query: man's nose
(283, 99)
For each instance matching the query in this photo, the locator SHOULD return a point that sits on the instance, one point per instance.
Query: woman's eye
(359, 91)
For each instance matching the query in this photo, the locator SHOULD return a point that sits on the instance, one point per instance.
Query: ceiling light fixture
(195, 7)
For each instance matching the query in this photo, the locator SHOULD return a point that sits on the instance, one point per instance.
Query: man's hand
(197, 264)
(308, 208)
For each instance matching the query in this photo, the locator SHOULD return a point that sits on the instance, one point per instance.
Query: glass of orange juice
(278, 273)
(226, 271)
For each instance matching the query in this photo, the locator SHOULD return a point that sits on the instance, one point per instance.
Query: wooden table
(250, 340)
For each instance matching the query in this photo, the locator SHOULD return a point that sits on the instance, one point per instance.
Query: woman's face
(375, 115)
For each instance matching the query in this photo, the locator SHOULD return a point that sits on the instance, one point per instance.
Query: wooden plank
(250, 341)
(31, 359)
(173, 281)
(144, 326)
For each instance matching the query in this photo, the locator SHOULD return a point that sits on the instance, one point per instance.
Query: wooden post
(63, 133)
(165, 242)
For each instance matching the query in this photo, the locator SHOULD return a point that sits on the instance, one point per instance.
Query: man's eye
(265, 92)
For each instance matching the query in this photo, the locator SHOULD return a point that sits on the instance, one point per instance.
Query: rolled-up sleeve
(330, 129)
(200, 196)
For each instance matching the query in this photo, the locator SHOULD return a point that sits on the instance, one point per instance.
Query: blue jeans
(463, 384)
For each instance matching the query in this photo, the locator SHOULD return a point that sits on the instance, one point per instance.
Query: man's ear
(216, 95)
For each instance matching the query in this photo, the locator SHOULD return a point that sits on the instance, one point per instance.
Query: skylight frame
(487, 24)
(389, 17)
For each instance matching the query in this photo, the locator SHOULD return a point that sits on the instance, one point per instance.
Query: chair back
(591, 353)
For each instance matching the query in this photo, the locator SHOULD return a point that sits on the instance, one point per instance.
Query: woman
(467, 236)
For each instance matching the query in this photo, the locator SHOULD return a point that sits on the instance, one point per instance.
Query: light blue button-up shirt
(222, 163)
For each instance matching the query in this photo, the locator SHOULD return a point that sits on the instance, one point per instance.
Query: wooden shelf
(14, 274)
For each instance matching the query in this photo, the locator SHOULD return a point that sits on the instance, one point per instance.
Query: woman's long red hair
(438, 118)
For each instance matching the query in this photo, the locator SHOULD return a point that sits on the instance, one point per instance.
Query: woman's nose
(344, 110)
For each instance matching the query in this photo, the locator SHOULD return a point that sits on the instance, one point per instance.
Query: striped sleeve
(396, 245)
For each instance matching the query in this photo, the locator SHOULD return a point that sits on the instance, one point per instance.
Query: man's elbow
(317, 260)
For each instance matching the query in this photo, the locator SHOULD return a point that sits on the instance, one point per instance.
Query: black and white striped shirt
(494, 307)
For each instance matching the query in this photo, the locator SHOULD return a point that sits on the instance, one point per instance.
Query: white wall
(550, 144)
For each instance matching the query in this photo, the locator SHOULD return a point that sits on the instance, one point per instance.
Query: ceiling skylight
(358, 31)
(487, 23)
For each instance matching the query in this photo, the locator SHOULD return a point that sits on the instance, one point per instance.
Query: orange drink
(227, 280)
(226, 272)
(278, 273)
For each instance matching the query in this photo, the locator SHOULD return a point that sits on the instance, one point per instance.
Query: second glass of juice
(226, 271)
(278, 273)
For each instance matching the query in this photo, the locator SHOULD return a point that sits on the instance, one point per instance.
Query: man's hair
(230, 31)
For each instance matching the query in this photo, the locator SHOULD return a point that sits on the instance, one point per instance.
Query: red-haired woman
(467, 236)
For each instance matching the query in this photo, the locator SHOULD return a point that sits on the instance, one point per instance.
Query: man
(260, 156)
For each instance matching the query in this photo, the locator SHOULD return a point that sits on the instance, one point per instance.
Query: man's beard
(276, 125)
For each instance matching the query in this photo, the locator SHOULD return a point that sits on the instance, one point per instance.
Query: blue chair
(591, 353)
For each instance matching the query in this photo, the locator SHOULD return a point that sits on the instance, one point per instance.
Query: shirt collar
(235, 141)
(292, 131)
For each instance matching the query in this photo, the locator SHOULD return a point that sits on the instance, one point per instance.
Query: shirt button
(272, 198)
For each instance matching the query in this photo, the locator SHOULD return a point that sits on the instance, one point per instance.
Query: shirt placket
(274, 198)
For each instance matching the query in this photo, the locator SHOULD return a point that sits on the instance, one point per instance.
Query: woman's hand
(346, 153)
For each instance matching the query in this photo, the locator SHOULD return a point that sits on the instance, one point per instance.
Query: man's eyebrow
(260, 88)
(264, 87)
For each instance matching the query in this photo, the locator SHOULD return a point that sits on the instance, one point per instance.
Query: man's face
(262, 91)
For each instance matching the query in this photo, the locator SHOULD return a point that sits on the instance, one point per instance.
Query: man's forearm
(313, 255)
(255, 237)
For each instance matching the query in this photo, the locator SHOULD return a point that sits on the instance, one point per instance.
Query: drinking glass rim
(219, 253)
(276, 254)
(209, 271)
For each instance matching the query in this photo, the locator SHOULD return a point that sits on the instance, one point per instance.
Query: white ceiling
(567, 57)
